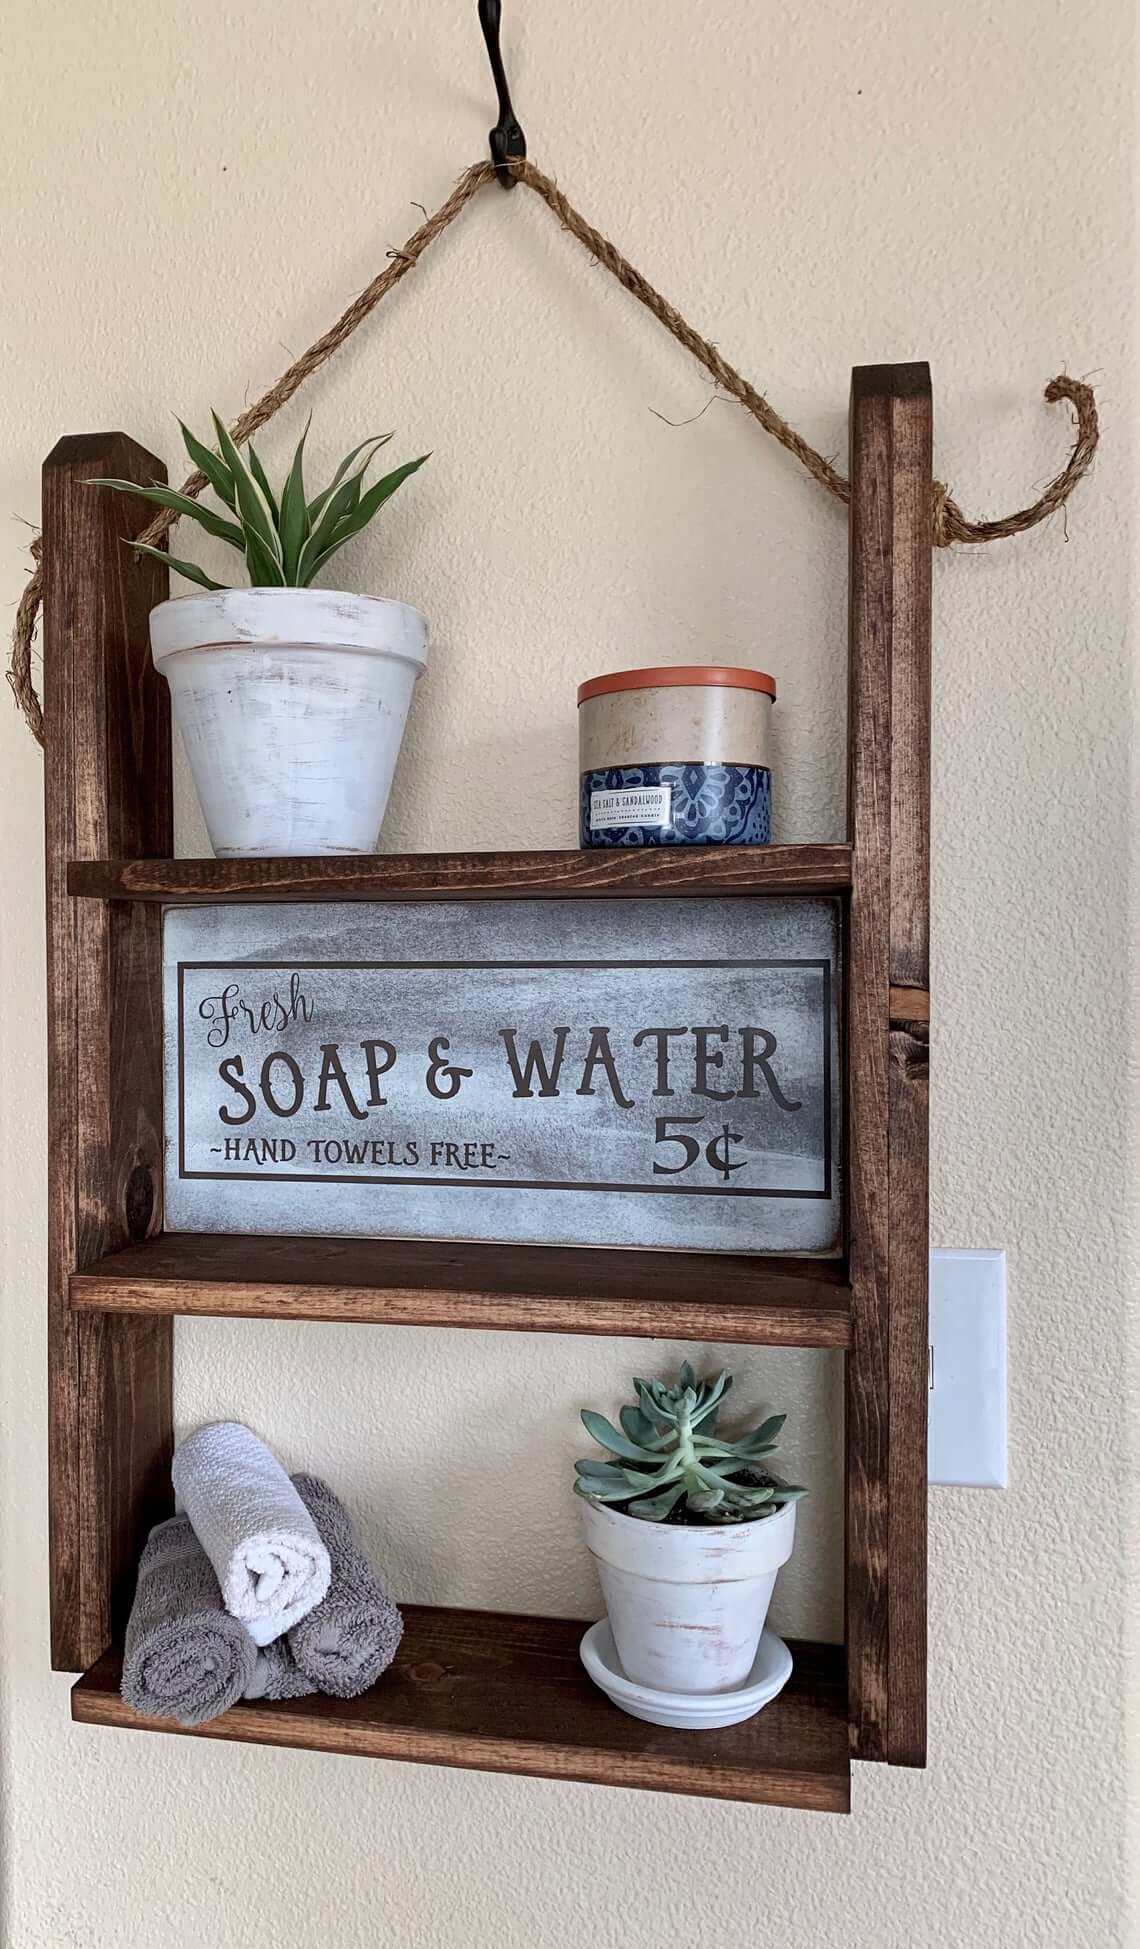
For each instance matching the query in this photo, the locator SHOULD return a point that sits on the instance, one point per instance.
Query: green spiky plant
(285, 538)
(669, 1465)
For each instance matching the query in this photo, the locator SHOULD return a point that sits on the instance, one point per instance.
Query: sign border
(821, 965)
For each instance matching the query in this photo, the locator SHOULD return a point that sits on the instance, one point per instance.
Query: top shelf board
(594, 874)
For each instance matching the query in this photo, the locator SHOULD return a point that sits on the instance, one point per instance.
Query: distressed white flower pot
(687, 1605)
(291, 704)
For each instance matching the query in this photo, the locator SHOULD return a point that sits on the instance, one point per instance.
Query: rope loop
(948, 524)
(951, 525)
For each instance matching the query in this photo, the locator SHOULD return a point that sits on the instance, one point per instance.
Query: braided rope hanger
(948, 524)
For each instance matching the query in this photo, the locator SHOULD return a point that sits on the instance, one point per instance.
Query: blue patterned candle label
(677, 805)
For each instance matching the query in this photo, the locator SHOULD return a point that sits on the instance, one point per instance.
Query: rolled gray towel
(353, 1634)
(277, 1675)
(185, 1657)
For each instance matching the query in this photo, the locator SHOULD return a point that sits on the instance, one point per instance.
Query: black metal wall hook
(507, 138)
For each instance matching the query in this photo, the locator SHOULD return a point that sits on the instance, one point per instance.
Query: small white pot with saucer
(686, 1607)
(688, 1529)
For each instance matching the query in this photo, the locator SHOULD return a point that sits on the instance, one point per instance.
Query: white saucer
(694, 1711)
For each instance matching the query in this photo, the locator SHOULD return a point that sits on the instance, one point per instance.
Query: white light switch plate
(967, 1423)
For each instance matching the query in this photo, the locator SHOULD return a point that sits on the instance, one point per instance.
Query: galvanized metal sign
(656, 1073)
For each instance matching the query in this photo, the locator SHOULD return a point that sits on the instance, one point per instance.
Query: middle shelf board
(713, 1296)
(507, 1694)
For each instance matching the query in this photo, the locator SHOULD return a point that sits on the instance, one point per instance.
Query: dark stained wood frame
(527, 1288)
(107, 789)
(648, 872)
(507, 1694)
(888, 744)
(115, 1279)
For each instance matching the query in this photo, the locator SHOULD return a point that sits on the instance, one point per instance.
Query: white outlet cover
(968, 1445)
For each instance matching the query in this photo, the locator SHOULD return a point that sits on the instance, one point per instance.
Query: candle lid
(688, 675)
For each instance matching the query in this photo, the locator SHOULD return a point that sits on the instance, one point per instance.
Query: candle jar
(676, 757)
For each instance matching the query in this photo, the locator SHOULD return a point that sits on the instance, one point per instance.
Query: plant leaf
(336, 508)
(651, 1409)
(382, 490)
(754, 1444)
(707, 1449)
(363, 508)
(168, 497)
(608, 1437)
(763, 1439)
(323, 531)
(215, 470)
(188, 569)
(599, 1471)
(376, 441)
(293, 520)
(711, 1404)
(787, 1491)
(264, 567)
(262, 479)
(653, 1509)
(601, 1492)
(640, 1428)
(256, 517)
(703, 1501)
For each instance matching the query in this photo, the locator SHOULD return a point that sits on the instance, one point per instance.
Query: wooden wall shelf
(663, 872)
(508, 1694)
(529, 1288)
(469, 1689)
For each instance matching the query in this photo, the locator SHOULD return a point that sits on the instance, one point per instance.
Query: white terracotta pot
(291, 704)
(687, 1605)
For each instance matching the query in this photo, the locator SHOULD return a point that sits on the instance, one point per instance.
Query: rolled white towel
(265, 1547)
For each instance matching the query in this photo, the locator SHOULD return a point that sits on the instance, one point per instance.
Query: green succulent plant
(669, 1465)
(285, 538)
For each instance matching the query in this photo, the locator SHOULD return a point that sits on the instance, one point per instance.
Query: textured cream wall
(191, 189)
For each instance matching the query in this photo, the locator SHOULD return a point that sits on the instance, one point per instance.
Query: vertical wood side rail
(887, 1029)
(107, 791)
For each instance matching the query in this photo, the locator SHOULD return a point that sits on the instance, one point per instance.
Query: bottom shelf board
(507, 1694)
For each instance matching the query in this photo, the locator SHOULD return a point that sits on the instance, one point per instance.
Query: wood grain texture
(888, 812)
(530, 1288)
(909, 1375)
(598, 873)
(908, 1222)
(909, 1005)
(506, 1694)
(107, 789)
